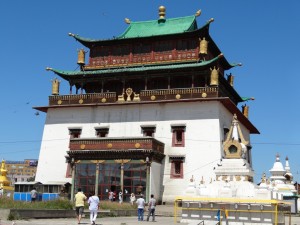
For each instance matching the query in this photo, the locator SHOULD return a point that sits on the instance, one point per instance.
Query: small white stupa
(279, 181)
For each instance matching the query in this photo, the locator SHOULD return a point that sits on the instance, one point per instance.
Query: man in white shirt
(151, 205)
(93, 207)
(140, 205)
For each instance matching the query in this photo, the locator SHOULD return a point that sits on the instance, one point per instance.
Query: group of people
(112, 196)
(94, 202)
(141, 207)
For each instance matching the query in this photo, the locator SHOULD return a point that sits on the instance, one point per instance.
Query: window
(148, 130)
(176, 167)
(75, 132)
(178, 135)
(102, 131)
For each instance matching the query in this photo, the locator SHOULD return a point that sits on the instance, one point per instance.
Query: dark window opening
(75, 133)
(148, 131)
(102, 132)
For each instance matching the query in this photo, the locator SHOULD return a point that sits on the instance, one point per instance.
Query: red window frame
(176, 169)
(178, 136)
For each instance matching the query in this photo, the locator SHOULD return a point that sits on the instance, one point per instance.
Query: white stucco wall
(203, 136)
(155, 181)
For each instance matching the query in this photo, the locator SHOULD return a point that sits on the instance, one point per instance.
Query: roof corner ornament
(162, 14)
(49, 68)
(81, 57)
(214, 76)
(55, 86)
(198, 13)
(230, 79)
(203, 46)
(245, 110)
(70, 34)
(211, 20)
(128, 21)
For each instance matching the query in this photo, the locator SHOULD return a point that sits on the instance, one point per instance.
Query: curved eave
(228, 104)
(68, 74)
(89, 42)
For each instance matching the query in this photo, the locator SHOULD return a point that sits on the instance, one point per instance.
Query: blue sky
(262, 35)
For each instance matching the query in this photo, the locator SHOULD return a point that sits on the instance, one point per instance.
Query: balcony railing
(144, 95)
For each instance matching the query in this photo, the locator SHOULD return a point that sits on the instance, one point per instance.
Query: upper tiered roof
(160, 27)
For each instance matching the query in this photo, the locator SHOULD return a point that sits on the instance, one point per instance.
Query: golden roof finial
(127, 21)
(198, 13)
(162, 12)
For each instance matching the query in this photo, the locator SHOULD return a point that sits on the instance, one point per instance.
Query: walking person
(140, 205)
(79, 204)
(33, 194)
(110, 195)
(152, 204)
(120, 197)
(93, 207)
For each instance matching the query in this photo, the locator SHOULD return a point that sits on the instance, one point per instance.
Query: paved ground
(164, 217)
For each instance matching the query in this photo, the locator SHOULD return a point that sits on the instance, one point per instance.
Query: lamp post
(147, 178)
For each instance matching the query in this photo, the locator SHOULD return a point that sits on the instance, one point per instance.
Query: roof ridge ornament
(128, 21)
(198, 13)
(162, 14)
(211, 20)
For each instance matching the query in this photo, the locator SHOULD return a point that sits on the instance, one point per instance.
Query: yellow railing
(232, 201)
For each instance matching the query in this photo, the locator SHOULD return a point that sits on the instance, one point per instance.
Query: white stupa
(234, 173)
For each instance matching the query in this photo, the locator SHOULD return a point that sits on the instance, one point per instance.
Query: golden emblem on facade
(109, 145)
(178, 96)
(137, 145)
(82, 146)
(153, 97)
(80, 101)
(103, 100)
(204, 95)
(59, 102)
(128, 92)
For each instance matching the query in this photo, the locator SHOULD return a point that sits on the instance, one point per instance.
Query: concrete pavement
(164, 216)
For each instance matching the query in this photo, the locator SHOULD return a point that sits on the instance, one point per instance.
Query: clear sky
(263, 35)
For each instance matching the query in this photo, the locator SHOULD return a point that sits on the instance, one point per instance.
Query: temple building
(145, 112)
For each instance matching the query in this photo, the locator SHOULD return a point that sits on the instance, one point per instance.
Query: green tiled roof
(160, 27)
(65, 74)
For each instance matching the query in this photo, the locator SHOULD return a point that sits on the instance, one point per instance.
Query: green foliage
(9, 203)
(13, 216)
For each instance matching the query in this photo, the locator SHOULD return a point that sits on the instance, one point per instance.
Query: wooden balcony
(146, 143)
(130, 147)
(144, 95)
(107, 97)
